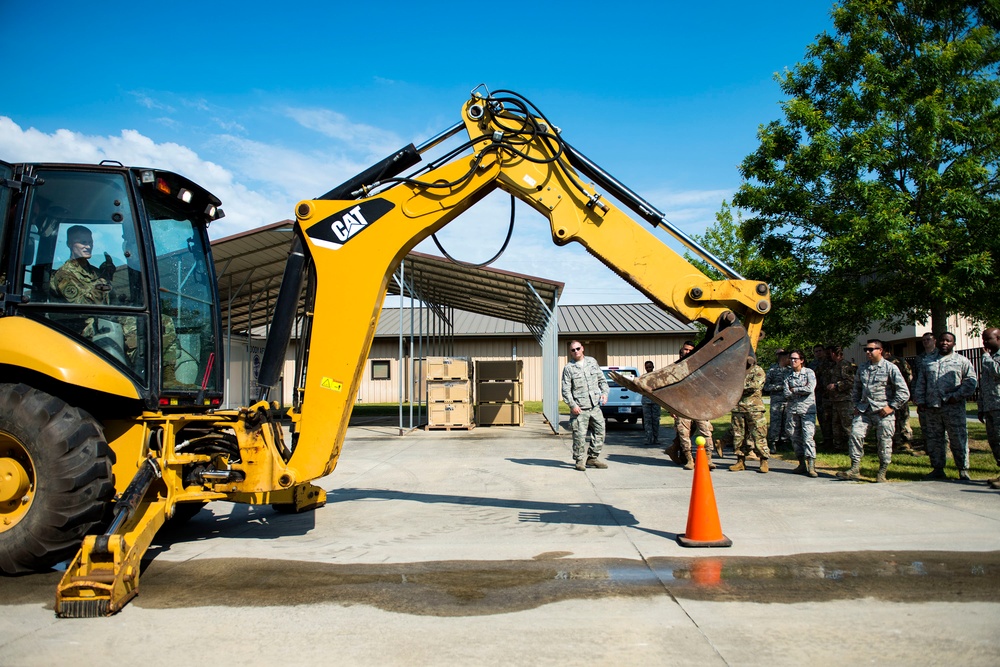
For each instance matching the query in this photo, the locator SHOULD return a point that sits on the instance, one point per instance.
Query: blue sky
(266, 106)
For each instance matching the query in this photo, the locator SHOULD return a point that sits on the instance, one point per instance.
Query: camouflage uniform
(918, 364)
(583, 385)
(800, 417)
(684, 426)
(651, 420)
(989, 400)
(748, 420)
(774, 386)
(943, 378)
(904, 432)
(841, 375)
(875, 387)
(77, 281)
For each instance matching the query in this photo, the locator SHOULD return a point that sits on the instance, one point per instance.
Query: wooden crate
(447, 368)
(449, 414)
(500, 414)
(449, 391)
(506, 369)
(498, 392)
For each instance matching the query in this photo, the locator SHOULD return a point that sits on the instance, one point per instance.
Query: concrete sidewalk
(486, 547)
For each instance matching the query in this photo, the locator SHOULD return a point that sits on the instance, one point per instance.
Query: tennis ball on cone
(700, 441)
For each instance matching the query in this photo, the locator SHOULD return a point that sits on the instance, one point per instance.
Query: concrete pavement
(486, 547)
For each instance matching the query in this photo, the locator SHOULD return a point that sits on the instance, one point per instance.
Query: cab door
(6, 184)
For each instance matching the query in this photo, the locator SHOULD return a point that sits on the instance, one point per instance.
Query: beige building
(615, 335)
(906, 342)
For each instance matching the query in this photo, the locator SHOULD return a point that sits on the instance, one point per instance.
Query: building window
(380, 369)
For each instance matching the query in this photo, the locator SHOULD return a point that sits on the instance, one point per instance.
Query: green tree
(724, 240)
(875, 198)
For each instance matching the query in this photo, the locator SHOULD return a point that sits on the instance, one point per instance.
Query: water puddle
(469, 588)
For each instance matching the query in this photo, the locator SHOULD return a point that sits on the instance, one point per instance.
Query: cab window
(80, 264)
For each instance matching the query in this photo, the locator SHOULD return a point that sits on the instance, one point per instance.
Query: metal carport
(250, 266)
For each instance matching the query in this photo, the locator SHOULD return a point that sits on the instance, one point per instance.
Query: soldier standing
(947, 381)
(800, 417)
(585, 390)
(838, 385)
(989, 395)
(929, 344)
(650, 415)
(879, 391)
(774, 387)
(680, 449)
(904, 433)
(748, 421)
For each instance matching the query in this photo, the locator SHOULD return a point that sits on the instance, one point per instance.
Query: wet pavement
(486, 547)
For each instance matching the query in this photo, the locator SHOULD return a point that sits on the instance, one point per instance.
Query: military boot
(964, 475)
(688, 460)
(675, 453)
(594, 462)
(882, 470)
(935, 473)
(581, 464)
(763, 465)
(802, 465)
(854, 474)
(811, 468)
(739, 465)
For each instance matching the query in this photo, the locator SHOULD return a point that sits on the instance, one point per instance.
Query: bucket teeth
(83, 609)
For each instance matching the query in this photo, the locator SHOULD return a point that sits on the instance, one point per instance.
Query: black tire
(69, 463)
(632, 420)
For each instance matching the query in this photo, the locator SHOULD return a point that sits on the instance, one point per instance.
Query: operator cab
(119, 259)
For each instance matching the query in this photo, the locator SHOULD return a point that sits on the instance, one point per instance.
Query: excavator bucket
(704, 385)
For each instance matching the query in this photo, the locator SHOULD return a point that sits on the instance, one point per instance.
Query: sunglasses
(872, 349)
(795, 358)
(575, 349)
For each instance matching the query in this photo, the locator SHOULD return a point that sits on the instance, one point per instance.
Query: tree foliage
(875, 197)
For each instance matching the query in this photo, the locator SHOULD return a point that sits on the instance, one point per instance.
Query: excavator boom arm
(356, 244)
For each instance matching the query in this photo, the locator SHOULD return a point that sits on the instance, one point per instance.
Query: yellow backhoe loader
(110, 358)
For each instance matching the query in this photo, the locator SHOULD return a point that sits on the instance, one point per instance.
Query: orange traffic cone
(703, 527)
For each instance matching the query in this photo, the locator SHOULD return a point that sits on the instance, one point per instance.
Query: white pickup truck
(623, 405)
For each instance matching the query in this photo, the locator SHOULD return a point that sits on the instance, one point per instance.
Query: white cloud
(373, 141)
(245, 207)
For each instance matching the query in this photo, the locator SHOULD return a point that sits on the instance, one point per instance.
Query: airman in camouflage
(749, 425)
(800, 417)
(879, 391)
(928, 343)
(838, 382)
(989, 395)
(774, 387)
(585, 390)
(78, 281)
(947, 380)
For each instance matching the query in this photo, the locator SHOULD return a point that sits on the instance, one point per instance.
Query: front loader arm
(356, 245)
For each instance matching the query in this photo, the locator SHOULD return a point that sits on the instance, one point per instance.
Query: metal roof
(634, 318)
(250, 266)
